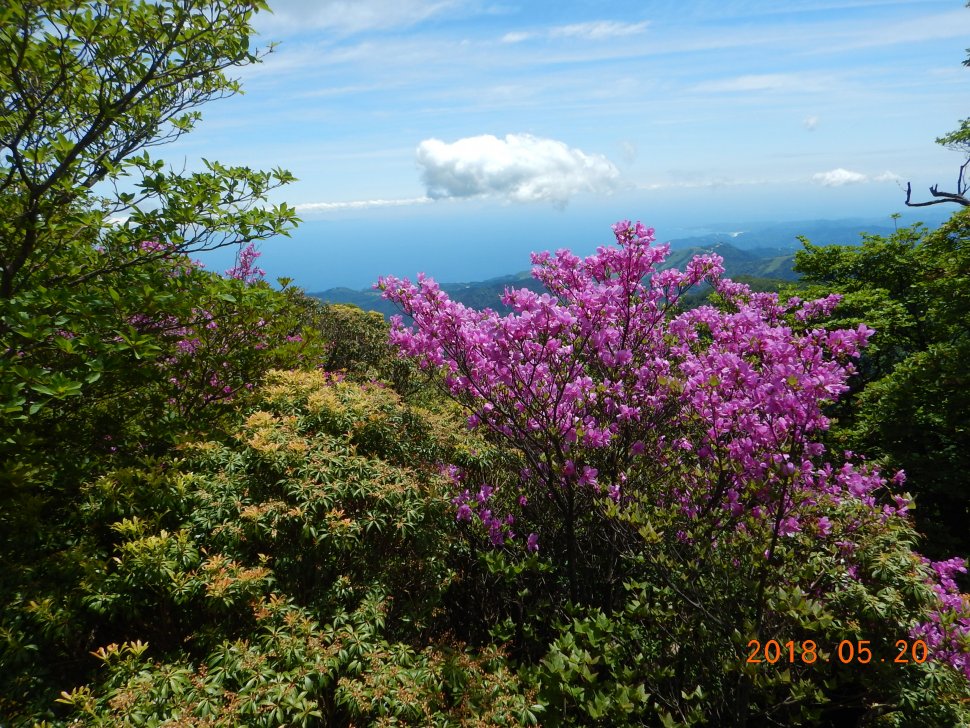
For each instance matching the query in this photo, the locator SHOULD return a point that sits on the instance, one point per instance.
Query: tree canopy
(87, 89)
(910, 406)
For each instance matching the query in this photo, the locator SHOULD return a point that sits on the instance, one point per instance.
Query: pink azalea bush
(614, 396)
(217, 349)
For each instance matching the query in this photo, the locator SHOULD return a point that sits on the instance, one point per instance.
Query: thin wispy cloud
(517, 37)
(350, 16)
(359, 204)
(766, 82)
(930, 27)
(598, 30)
(710, 183)
(595, 30)
(814, 6)
(516, 168)
(887, 176)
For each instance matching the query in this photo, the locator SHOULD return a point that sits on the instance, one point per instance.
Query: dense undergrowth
(222, 503)
(291, 555)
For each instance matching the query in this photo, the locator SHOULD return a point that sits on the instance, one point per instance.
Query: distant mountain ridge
(784, 235)
(758, 262)
(764, 250)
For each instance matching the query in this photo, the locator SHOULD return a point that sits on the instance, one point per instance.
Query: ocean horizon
(353, 251)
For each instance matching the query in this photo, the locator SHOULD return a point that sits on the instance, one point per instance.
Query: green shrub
(298, 573)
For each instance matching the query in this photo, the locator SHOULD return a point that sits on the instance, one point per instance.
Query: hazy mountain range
(761, 250)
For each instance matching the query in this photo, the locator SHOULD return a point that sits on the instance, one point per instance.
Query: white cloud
(764, 82)
(887, 176)
(516, 37)
(359, 204)
(593, 30)
(598, 30)
(839, 177)
(349, 16)
(520, 168)
(929, 27)
(811, 123)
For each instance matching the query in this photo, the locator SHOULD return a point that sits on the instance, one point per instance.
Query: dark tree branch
(959, 197)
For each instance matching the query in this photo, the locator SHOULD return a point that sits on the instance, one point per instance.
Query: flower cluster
(604, 361)
(607, 387)
(245, 269)
(212, 348)
(947, 633)
(499, 528)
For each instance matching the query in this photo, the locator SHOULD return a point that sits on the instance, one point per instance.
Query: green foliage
(86, 89)
(959, 139)
(675, 653)
(911, 403)
(97, 296)
(297, 574)
(96, 291)
(198, 343)
(357, 345)
(200, 527)
(86, 86)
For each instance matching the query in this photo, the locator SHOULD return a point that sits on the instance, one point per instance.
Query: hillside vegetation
(225, 503)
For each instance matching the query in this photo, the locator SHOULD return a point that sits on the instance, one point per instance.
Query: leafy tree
(910, 406)
(113, 342)
(96, 288)
(87, 88)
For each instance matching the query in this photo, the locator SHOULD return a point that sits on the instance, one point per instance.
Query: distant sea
(352, 251)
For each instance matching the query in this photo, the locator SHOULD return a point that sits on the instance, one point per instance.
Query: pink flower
(245, 269)
(532, 543)
(604, 365)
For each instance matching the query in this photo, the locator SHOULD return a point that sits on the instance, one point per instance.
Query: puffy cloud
(839, 177)
(520, 167)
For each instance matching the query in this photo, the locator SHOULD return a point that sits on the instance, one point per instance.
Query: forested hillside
(642, 496)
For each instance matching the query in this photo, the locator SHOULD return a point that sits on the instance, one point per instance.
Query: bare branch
(958, 198)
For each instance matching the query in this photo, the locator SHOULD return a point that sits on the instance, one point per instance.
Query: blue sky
(476, 130)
